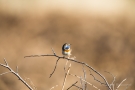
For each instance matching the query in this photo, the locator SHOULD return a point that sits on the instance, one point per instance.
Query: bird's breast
(67, 50)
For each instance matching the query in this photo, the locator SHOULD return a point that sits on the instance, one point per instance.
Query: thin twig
(31, 83)
(53, 52)
(81, 82)
(72, 85)
(16, 69)
(96, 79)
(114, 78)
(5, 73)
(42, 55)
(84, 81)
(66, 74)
(15, 73)
(54, 67)
(53, 87)
(78, 87)
(70, 59)
(85, 84)
(121, 83)
(5, 61)
(65, 65)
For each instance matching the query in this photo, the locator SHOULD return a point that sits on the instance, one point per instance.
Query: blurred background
(102, 34)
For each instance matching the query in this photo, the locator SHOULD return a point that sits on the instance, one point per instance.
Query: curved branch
(72, 85)
(96, 79)
(15, 73)
(121, 83)
(73, 60)
(84, 81)
(54, 67)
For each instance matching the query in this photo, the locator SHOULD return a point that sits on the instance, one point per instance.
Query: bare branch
(96, 79)
(78, 87)
(65, 65)
(31, 83)
(121, 83)
(53, 87)
(85, 84)
(73, 60)
(5, 73)
(5, 61)
(84, 81)
(16, 74)
(39, 55)
(53, 52)
(72, 85)
(16, 69)
(54, 67)
(66, 74)
(81, 82)
(112, 76)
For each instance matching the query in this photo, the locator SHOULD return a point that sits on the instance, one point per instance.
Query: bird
(66, 50)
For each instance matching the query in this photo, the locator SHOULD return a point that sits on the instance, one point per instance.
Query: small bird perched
(66, 50)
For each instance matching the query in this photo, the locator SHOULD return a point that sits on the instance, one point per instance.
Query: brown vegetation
(103, 37)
